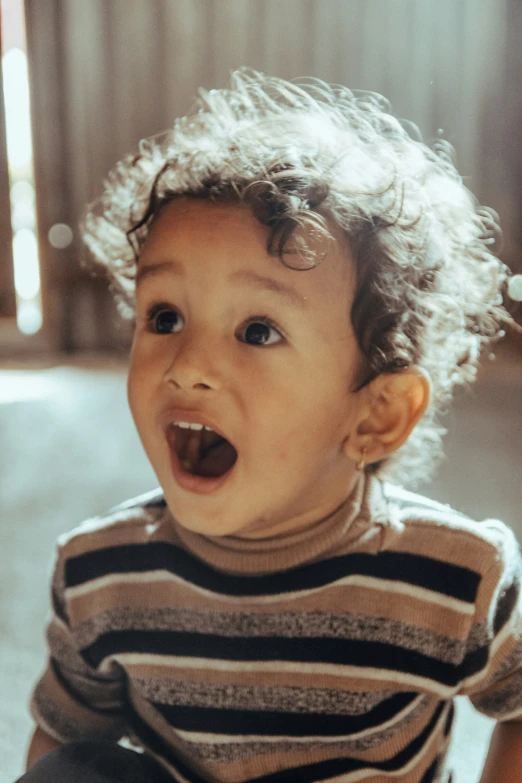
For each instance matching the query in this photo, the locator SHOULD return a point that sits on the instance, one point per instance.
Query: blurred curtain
(106, 73)
(7, 292)
(503, 148)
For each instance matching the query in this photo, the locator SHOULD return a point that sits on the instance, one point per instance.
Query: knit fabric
(333, 654)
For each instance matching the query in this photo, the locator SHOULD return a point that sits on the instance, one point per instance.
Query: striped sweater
(329, 655)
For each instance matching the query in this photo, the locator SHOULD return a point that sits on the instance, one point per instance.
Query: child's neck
(343, 526)
(282, 529)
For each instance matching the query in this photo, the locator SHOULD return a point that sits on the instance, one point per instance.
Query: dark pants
(95, 762)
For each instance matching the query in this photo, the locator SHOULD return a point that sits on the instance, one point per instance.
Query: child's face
(286, 406)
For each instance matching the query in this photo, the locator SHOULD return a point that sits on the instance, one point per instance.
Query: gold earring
(362, 462)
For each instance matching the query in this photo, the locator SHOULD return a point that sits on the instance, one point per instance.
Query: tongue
(217, 461)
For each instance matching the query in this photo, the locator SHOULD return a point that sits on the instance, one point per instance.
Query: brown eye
(164, 320)
(260, 331)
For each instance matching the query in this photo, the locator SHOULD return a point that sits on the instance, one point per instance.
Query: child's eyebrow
(259, 281)
(175, 269)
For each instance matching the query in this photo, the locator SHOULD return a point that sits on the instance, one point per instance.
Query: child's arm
(504, 761)
(73, 700)
(41, 743)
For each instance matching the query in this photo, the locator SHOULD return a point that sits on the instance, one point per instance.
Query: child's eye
(162, 319)
(257, 331)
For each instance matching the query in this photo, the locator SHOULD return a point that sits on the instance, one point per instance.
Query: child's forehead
(189, 220)
(226, 241)
(208, 214)
(200, 221)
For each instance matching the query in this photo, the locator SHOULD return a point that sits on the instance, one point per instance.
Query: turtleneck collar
(353, 519)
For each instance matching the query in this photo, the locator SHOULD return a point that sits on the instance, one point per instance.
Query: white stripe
(371, 583)
(225, 739)
(335, 670)
(420, 593)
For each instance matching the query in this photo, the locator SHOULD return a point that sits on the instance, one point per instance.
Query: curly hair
(305, 154)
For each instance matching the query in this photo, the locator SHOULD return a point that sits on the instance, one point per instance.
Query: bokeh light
(20, 166)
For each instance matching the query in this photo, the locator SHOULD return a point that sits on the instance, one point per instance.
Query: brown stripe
(357, 599)
(133, 526)
(465, 544)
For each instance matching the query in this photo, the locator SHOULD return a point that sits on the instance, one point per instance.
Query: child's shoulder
(414, 506)
(440, 530)
(131, 521)
(147, 500)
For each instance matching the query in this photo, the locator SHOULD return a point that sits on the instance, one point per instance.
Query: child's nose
(197, 362)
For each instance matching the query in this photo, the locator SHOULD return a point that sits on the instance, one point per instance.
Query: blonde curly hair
(306, 154)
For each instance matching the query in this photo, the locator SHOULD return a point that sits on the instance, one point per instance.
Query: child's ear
(395, 403)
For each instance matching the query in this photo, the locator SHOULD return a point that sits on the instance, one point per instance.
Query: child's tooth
(186, 425)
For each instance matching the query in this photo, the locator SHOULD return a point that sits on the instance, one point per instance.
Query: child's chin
(221, 525)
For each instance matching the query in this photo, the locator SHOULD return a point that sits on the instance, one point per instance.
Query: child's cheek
(277, 448)
(290, 444)
(282, 454)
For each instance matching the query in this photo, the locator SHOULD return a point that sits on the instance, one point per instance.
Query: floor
(69, 450)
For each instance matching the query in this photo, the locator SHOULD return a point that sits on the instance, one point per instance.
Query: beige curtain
(106, 73)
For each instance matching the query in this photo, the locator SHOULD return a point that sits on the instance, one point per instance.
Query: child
(282, 610)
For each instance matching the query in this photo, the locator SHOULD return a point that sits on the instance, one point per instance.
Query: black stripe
(455, 581)
(449, 720)
(344, 652)
(310, 773)
(429, 775)
(506, 603)
(283, 724)
(323, 770)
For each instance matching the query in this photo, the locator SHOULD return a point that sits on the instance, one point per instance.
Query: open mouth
(201, 452)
